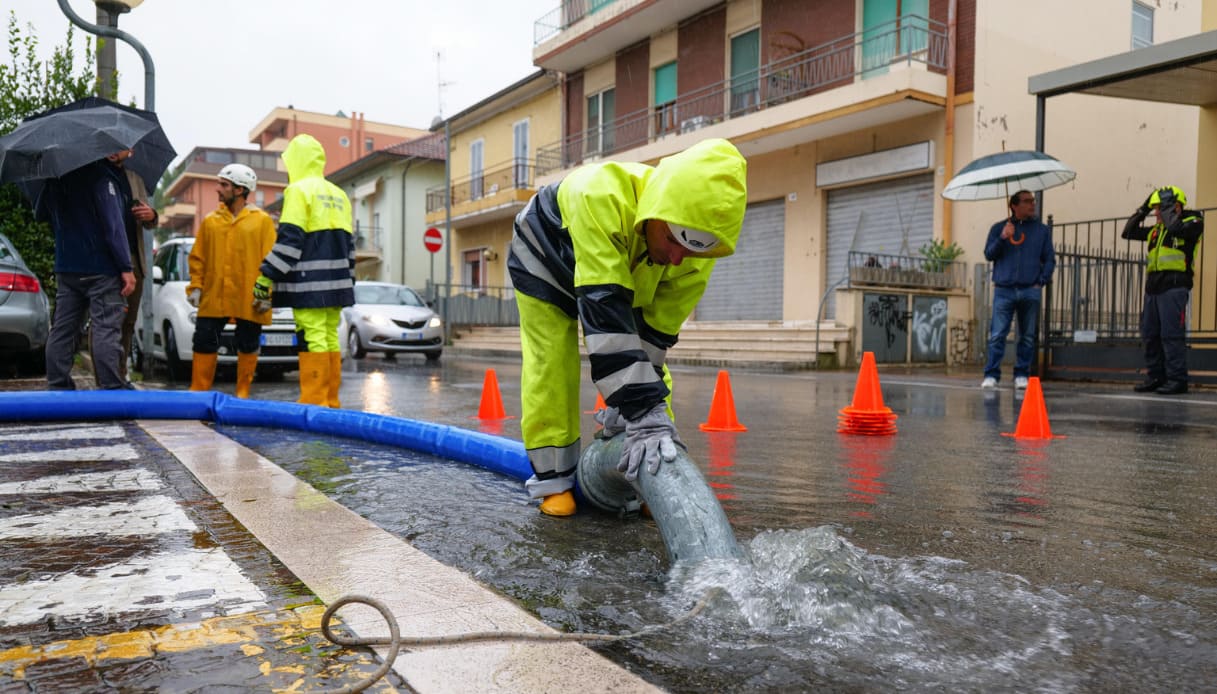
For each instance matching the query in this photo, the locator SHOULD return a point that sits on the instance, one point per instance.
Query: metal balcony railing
(917, 272)
(560, 19)
(912, 39)
(518, 174)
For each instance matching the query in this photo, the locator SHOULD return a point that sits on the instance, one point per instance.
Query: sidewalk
(158, 555)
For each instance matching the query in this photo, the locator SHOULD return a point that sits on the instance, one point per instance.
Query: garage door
(748, 285)
(891, 217)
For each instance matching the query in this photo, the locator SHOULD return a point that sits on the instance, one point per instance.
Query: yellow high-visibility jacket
(224, 262)
(580, 246)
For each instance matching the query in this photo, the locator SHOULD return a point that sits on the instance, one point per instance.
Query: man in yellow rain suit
(312, 267)
(626, 249)
(223, 266)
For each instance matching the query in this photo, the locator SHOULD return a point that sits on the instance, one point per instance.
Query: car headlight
(435, 322)
(378, 320)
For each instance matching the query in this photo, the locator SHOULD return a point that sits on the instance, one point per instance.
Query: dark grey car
(25, 313)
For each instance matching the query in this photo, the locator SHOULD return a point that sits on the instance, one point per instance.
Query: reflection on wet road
(946, 556)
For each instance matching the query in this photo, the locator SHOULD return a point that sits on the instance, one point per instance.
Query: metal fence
(911, 39)
(464, 305)
(510, 176)
(917, 272)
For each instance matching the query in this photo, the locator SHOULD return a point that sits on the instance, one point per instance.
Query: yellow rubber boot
(561, 504)
(202, 371)
(247, 364)
(334, 381)
(314, 372)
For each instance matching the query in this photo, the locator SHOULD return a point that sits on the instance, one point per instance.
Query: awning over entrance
(1183, 71)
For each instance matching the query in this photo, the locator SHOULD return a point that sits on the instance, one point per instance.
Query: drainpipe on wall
(404, 227)
(948, 154)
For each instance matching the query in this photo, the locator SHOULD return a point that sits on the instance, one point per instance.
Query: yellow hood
(703, 188)
(304, 158)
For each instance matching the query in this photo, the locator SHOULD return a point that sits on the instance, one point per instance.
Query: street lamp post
(109, 10)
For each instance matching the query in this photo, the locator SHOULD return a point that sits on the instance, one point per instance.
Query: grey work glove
(610, 418)
(261, 305)
(194, 297)
(650, 439)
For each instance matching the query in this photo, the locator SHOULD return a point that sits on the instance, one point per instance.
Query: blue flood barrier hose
(494, 453)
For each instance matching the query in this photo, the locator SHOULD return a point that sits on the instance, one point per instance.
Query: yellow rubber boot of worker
(561, 504)
(202, 371)
(247, 365)
(314, 373)
(335, 380)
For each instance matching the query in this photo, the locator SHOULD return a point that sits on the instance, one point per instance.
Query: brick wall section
(701, 52)
(633, 94)
(793, 25)
(574, 104)
(965, 46)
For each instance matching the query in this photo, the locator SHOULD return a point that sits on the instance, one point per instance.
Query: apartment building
(853, 115)
(346, 139)
(192, 194)
(493, 160)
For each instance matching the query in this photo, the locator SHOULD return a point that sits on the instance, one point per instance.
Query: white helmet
(240, 175)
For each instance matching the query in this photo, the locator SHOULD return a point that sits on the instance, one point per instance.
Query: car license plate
(278, 339)
(411, 337)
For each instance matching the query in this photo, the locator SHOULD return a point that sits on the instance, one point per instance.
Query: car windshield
(390, 295)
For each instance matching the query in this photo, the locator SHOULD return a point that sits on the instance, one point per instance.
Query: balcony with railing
(839, 63)
(493, 193)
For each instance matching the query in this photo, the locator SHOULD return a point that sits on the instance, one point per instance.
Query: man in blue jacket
(1020, 248)
(93, 269)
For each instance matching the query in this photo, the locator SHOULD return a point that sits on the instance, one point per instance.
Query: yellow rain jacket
(579, 251)
(224, 262)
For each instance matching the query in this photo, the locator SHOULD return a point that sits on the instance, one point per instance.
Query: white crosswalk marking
(164, 569)
(147, 516)
(181, 580)
(123, 451)
(110, 431)
(117, 481)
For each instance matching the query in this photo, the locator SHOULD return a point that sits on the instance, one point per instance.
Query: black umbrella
(54, 142)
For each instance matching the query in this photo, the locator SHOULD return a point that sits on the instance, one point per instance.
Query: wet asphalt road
(1082, 563)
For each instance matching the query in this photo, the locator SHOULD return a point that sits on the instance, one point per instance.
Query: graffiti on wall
(929, 329)
(885, 326)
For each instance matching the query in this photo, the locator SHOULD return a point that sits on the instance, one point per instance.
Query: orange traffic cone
(492, 402)
(867, 415)
(598, 406)
(1033, 416)
(722, 408)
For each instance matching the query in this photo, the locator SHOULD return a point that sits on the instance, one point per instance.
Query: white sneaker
(1020, 382)
(988, 383)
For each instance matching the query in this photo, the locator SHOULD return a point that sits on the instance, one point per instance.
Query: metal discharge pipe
(690, 519)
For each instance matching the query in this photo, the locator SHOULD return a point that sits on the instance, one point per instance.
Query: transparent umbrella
(1005, 173)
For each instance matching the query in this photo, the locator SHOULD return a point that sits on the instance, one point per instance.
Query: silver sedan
(25, 314)
(391, 318)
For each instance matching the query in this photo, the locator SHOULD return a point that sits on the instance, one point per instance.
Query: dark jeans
(207, 335)
(101, 297)
(1010, 303)
(1164, 334)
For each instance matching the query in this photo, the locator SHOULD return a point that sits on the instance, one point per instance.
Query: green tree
(29, 85)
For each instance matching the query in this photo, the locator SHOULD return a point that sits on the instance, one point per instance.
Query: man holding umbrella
(93, 267)
(1020, 248)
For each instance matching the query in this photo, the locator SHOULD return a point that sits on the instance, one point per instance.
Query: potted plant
(938, 258)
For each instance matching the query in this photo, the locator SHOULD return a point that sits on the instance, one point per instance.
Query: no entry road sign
(433, 240)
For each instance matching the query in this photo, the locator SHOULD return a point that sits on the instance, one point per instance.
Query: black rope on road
(395, 641)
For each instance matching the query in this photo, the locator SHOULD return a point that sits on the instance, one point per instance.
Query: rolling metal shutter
(890, 217)
(748, 284)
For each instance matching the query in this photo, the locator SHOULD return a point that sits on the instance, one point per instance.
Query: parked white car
(390, 318)
(173, 321)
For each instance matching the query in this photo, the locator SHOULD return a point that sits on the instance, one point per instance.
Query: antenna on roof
(439, 81)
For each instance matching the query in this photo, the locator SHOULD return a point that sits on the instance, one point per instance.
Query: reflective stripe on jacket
(580, 245)
(313, 259)
(224, 262)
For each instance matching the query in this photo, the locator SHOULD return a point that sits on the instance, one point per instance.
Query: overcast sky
(222, 65)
